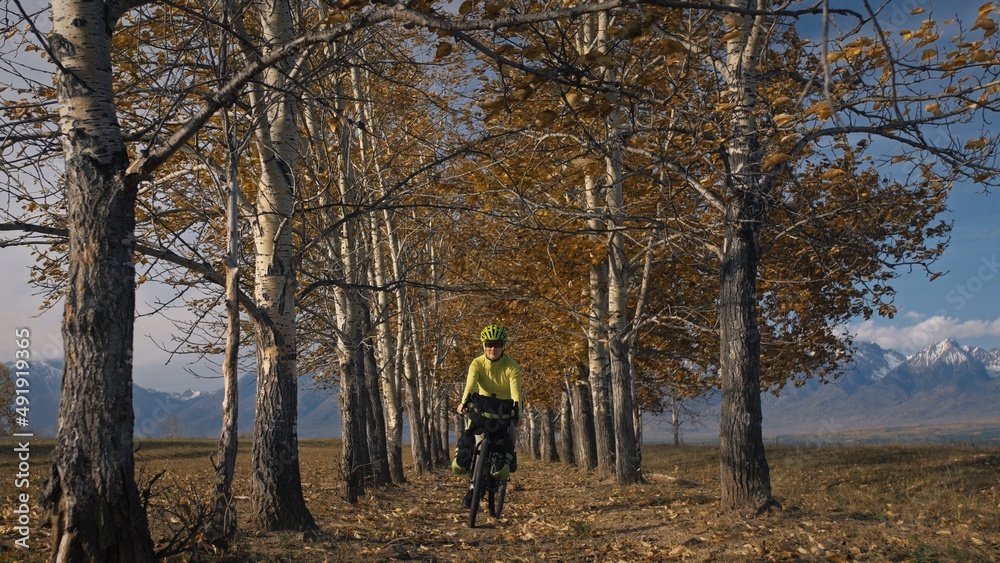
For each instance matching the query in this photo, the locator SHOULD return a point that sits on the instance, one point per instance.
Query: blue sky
(964, 303)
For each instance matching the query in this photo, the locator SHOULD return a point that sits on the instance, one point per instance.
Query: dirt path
(553, 513)
(889, 504)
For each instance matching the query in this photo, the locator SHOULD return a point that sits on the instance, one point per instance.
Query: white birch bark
(385, 352)
(626, 446)
(275, 485)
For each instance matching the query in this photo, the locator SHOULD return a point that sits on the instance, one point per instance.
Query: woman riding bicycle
(493, 374)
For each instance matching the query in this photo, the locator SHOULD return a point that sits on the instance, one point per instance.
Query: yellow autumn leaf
(466, 7)
(932, 108)
(545, 118)
(928, 54)
(337, 18)
(443, 50)
(773, 160)
(573, 98)
(521, 93)
(833, 174)
(987, 25)
(975, 144)
(532, 52)
(732, 35)
(822, 110)
(782, 102)
(783, 118)
(670, 46)
(981, 56)
(917, 11)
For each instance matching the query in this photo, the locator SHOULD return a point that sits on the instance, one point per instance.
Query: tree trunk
(222, 527)
(675, 420)
(535, 433)
(418, 443)
(420, 440)
(626, 446)
(596, 349)
(549, 451)
(383, 349)
(566, 427)
(385, 352)
(746, 480)
(91, 494)
(376, 419)
(353, 439)
(583, 425)
(276, 484)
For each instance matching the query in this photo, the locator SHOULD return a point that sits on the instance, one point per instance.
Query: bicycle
(490, 418)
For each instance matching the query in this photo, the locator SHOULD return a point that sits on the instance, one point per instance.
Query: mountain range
(946, 383)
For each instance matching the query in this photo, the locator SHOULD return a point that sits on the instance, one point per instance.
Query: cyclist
(494, 373)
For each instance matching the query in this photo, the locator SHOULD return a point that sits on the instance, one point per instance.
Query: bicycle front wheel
(497, 495)
(479, 473)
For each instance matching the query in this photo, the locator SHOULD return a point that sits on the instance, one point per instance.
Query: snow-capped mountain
(990, 360)
(945, 383)
(873, 361)
(947, 352)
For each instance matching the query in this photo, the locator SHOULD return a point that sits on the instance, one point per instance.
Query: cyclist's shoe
(509, 466)
(504, 472)
(467, 499)
(458, 469)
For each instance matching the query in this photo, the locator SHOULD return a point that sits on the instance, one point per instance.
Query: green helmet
(493, 332)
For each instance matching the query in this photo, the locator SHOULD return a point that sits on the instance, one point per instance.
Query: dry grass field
(858, 503)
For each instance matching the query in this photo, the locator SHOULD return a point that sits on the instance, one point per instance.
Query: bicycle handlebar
(473, 404)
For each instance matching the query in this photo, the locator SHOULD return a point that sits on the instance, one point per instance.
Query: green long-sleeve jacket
(502, 378)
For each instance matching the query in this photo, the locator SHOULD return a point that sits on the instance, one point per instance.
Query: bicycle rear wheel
(479, 472)
(497, 495)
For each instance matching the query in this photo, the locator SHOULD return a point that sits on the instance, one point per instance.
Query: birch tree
(275, 489)
(91, 494)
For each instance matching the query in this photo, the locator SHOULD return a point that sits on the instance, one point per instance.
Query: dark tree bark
(746, 480)
(353, 403)
(376, 421)
(276, 483)
(222, 527)
(566, 428)
(583, 426)
(91, 494)
(548, 436)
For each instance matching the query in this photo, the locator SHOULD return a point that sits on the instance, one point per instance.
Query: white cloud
(915, 337)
